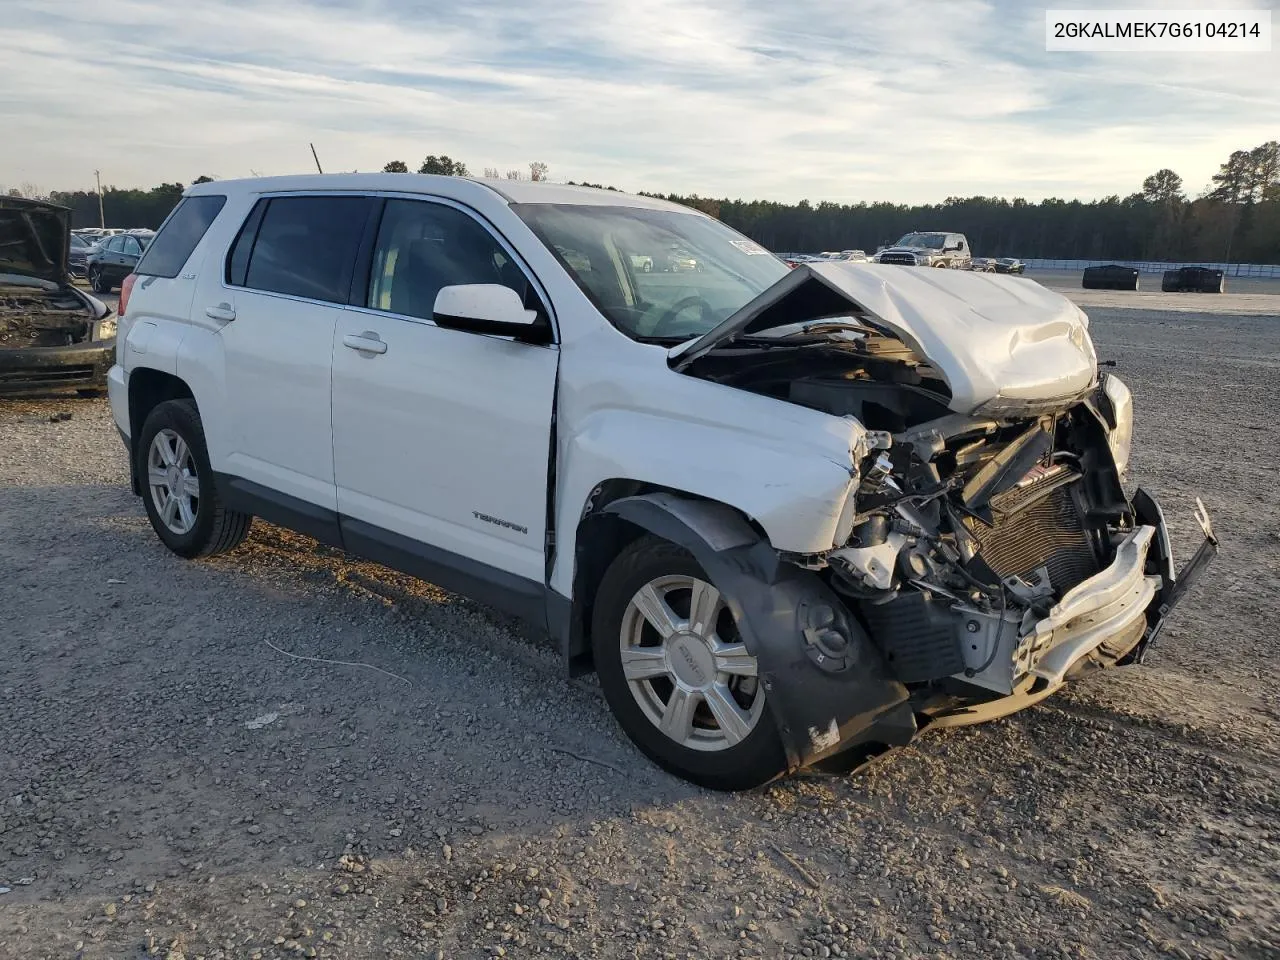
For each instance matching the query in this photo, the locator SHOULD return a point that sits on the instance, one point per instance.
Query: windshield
(654, 273)
(932, 241)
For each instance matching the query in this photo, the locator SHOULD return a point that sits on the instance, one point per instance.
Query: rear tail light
(126, 287)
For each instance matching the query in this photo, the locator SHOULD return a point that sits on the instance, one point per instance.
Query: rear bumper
(46, 369)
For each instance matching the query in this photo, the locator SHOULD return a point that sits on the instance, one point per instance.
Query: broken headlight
(1118, 409)
(104, 329)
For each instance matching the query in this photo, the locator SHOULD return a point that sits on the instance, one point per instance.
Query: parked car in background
(928, 250)
(1194, 280)
(1111, 276)
(782, 514)
(683, 263)
(78, 257)
(795, 259)
(97, 233)
(112, 260)
(983, 265)
(52, 335)
(1010, 265)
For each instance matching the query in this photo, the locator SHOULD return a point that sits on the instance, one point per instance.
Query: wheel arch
(148, 388)
(822, 703)
(603, 532)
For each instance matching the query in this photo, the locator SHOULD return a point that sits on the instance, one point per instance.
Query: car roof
(477, 190)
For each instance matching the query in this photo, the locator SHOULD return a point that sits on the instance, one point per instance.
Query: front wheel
(98, 282)
(181, 499)
(676, 673)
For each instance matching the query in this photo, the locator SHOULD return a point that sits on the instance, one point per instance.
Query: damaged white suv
(786, 515)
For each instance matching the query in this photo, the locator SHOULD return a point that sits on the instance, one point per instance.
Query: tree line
(1235, 218)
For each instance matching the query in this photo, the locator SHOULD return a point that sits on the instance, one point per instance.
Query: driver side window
(423, 247)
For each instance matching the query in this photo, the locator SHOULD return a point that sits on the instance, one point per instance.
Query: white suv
(786, 515)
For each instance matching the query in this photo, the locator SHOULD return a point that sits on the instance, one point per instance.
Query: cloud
(837, 100)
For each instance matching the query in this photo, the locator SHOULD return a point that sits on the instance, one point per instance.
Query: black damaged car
(52, 335)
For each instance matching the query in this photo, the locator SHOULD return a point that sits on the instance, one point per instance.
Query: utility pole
(102, 217)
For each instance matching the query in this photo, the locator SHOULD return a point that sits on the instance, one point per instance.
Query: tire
(213, 529)
(942, 265)
(718, 761)
(97, 282)
(1171, 282)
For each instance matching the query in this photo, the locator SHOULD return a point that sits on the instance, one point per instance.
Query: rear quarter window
(184, 228)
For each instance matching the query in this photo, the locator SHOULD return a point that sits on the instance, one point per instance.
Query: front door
(441, 437)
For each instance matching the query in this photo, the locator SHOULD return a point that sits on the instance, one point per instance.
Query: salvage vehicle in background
(78, 255)
(110, 261)
(52, 336)
(928, 250)
(1194, 280)
(1010, 265)
(1112, 276)
(983, 265)
(788, 516)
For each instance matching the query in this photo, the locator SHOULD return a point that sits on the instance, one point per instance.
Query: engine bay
(968, 528)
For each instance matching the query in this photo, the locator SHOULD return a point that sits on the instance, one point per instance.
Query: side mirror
(483, 308)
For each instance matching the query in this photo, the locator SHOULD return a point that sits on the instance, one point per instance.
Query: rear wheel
(98, 282)
(181, 499)
(676, 673)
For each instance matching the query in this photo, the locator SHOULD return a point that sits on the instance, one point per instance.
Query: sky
(908, 101)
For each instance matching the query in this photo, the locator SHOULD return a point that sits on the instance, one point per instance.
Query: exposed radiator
(1037, 526)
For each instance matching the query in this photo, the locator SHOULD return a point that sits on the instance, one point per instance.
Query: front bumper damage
(1112, 618)
(46, 369)
(830, 687)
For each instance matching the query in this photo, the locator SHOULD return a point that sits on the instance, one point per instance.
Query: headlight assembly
(104, 329)
(1119, 411)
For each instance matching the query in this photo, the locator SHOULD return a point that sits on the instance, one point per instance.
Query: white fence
(1271, 270)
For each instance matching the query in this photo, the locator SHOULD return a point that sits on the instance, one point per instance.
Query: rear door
(277, 298)
(442, 437)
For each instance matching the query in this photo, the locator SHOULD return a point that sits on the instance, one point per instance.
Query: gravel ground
(174, 782)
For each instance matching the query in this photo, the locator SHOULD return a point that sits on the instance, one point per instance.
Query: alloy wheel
(686, 666)
(172, 480)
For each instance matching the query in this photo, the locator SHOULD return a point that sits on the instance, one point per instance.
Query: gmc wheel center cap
(690, 660)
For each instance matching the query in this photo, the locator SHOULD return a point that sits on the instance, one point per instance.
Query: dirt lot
(174, 782)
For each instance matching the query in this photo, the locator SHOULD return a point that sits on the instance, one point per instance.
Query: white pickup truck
(785, 515)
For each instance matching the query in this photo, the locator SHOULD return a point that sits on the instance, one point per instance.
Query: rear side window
(302, 246)
(179, 234)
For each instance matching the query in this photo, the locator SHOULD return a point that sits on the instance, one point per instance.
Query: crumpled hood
(1003, 342)
(35, 238)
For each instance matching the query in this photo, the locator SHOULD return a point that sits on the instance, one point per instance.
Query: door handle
(367, 342)
(223, 311)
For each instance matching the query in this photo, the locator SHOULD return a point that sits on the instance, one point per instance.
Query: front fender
(826, 684)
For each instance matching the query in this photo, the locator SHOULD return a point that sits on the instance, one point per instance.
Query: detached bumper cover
(1104, 607)
(1123, 608)
(37, 369)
